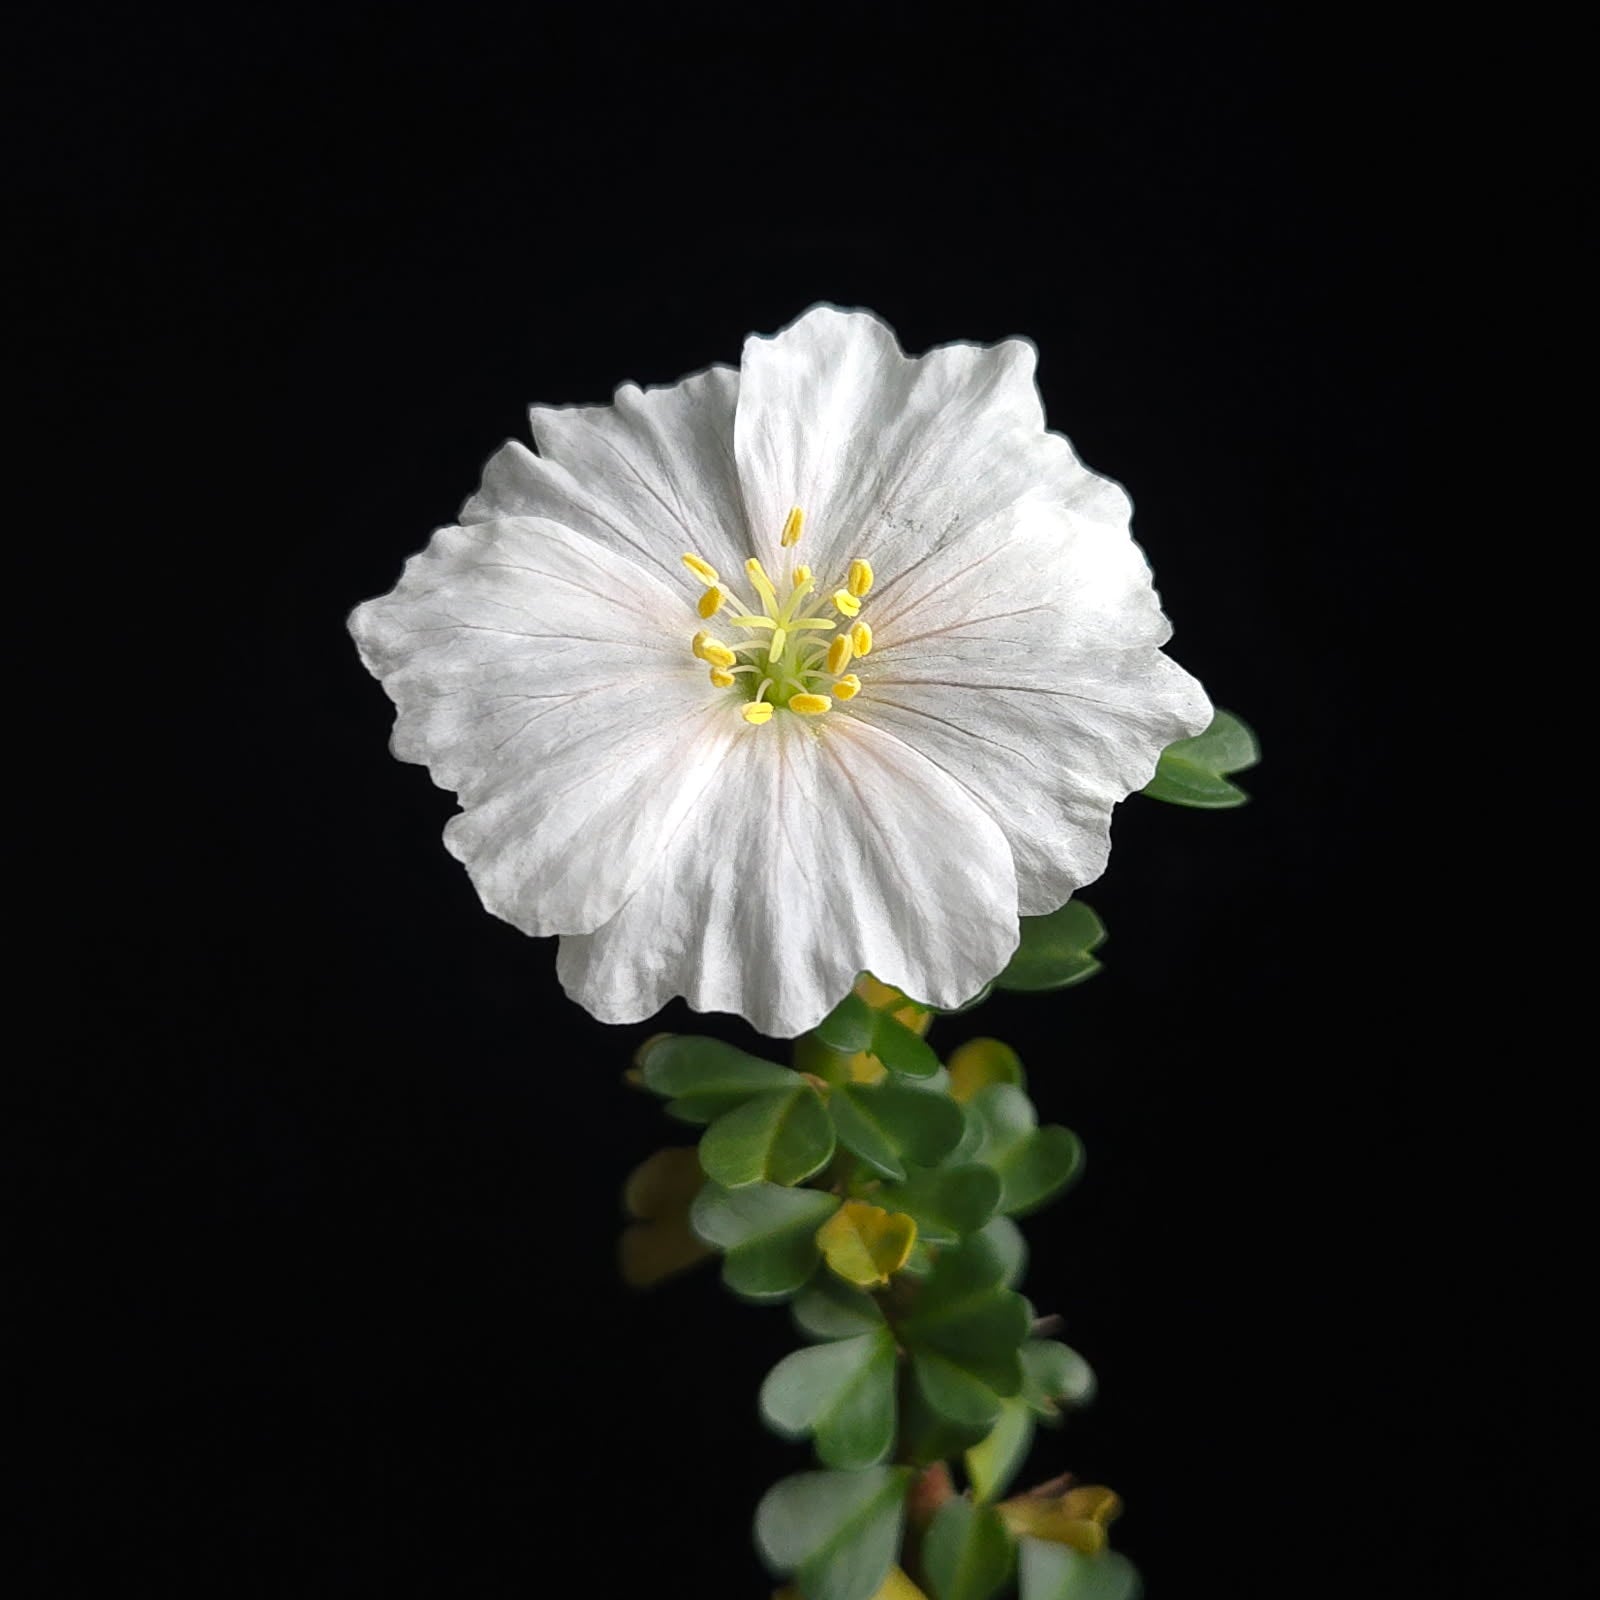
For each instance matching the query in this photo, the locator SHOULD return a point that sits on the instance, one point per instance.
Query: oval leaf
(888, 1123)
(1055, 950)
(1192, 771)
(964, 1316)
(1004, 1238)
(830, 1309)
(849, 1027)
(964, 1406)
(769, 1235)
(997, 1458)
(837, 1532)
(704, 1078)
(1034, 1163)
(980, 1062)
(659, 1192)
(865, 1244)
(902, 1049)
(780, 1137)
(947, 1203)
(1058, 1572)
(966, 1553)
(1054, 1375)
(843, 1393)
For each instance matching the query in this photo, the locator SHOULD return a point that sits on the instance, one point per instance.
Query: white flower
(752, 682)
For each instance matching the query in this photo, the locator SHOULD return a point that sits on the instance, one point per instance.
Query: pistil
(798, 670)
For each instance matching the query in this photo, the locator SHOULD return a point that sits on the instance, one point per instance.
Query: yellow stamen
(844, 600)
(791, 527)
(721, 678)
(861, 638)
(763, 584)
(810, 705)
(757, 712)
(780, 638)
(860, 577)
(839, 651)
(802, 577)
(847, 688)
(703, 570)
(711, 602)
(712, 650)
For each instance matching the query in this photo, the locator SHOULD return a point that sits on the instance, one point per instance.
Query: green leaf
(1004, 1238)
(902, 1049)
(849, 1027)
(769, 1235)
(1192, 771)
(947, 1203)
(705, 1078)
(1034, 1163)
(837, 1532)
(886, 1123)
(828, 1308)
(1055, 950)
(1054, 1375)
(997, 1458)
(842, 1392)
(964, 1316)
(966, 1553)
(782, 1136)
(1058, 1572)
(948, 1410)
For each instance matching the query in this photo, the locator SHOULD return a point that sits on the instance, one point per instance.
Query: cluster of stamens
(789, 659)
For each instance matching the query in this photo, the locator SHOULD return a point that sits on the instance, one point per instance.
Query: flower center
(787, 660)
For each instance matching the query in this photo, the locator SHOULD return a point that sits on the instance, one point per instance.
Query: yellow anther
(861, 638)
(791, 527)
(839, 653)
(703, 570)
(860, 577)
(847, 688)
(711, 602)
(763, 584)
(810, 705)
(802, 577)
(757, 712)
(712, 650)
(843, 599)
(721, 678)
(780, 638)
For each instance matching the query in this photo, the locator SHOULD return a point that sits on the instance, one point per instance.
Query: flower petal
(547, 682)
(822, 851)
(1023, 659)
(888, 455)
(649, 477)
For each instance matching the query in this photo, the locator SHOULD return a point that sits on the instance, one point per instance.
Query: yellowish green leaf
(658, 1194)
(865, 1244)
(980, 1062)
(1077, 1518)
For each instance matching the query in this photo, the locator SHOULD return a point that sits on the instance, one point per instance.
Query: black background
(326, 1175)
